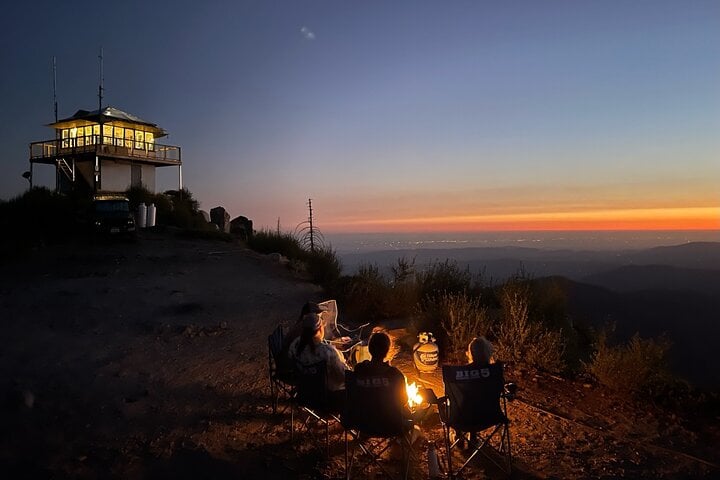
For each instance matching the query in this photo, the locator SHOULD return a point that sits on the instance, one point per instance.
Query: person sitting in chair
(379, 346)
(479, 354)
(310, 348)
(295, 331)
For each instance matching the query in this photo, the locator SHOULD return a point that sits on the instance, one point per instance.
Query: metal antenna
(101, 88)
(312, 230)
(55, 88)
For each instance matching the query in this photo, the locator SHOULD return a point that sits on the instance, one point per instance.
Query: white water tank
(151, 212)
(141, 215)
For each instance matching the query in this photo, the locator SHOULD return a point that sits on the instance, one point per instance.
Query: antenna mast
(312, 230)
(55, 88)
(102, 81)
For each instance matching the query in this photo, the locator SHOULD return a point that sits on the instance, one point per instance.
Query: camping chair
(281, 372)
(475, 402)
(342, 337)
(312, 398)
(373, 417)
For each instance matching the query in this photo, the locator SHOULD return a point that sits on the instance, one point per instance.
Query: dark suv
(111, 216)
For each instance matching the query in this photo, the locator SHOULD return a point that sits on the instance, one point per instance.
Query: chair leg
(347, 448)
(449, 452)
(509, 449)
(273, 396)
(292, 422)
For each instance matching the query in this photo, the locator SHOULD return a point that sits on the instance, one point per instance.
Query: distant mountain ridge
(635, 278)
(500, 262)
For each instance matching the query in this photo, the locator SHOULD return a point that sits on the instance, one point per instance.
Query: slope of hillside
(688, 319)
(149, 360)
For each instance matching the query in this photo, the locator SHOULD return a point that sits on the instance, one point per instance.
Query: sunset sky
(393, 115)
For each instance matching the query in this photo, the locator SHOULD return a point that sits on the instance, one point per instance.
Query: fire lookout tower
(105, 151)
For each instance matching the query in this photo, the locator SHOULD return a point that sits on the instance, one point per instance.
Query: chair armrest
(510, 390)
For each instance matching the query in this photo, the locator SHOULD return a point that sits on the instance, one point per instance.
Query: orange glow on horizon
(690, 218)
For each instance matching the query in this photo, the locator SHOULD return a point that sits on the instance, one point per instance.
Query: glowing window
(139, 139)
(65, 133)
(129, 134)
(118, 134)
(149, 141)
(107, 134)
(88, 135)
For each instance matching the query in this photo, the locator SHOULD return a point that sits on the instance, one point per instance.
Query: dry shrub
(640, 366)
(440, 278)
(403, 301)
(368, 293)
(462, 318)
(522, 341)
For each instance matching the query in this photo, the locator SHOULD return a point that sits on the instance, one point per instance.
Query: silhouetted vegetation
(176, 208)
(526, 319)
(39, 217)
(266, 241)
(321, 265)
(637, 367)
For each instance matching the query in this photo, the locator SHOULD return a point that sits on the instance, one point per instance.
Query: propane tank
(426, 353)
(141, 216)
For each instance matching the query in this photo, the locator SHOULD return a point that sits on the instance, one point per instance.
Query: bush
(518, 338)
(442, 278)
(184, 211)
(462, 319)
(640, 366)
(39, 217)
(367, 293)
(323, 266)
(266, 241)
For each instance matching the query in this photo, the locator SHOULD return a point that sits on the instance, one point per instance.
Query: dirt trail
(149, 360)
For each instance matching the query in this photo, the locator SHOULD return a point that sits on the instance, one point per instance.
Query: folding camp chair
(373, 419)
(342, 337)
(475, 402)
(313, 399)
(281, 371)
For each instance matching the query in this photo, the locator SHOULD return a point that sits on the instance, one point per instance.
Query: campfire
(414, 398)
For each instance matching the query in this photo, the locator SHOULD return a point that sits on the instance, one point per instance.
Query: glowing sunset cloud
(690, 218)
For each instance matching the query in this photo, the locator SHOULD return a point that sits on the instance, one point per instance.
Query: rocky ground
(149, 360)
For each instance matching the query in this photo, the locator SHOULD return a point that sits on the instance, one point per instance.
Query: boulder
(242, 228)
(205, 215)
(221, 218)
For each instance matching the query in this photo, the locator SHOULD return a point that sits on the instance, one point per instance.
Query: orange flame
(413, 395)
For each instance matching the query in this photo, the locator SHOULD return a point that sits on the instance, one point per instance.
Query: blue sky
(475, 114)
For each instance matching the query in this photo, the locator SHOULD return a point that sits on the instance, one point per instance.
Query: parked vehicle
(111, 216)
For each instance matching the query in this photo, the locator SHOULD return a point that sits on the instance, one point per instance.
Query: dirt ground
(149, 360)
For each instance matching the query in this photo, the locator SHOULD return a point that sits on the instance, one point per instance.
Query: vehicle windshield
(112, 206)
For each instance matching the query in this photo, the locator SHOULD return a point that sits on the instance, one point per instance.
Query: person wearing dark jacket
(379, 346)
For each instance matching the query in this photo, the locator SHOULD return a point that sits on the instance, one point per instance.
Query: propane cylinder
(426, 352)
(141, 216)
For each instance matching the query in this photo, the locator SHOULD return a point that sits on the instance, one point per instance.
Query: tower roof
(106, 115)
